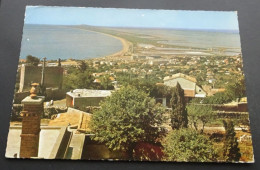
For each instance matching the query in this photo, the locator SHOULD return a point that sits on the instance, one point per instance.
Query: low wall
(61, 145)
(55, 94)
(239, 107)
(19, 96)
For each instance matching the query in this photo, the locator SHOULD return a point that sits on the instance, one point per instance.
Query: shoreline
(125, 44)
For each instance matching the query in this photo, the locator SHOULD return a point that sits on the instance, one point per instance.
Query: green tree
(126, 117)
(236, 90)
(187, 145)
(179, 118)
(106, 83)
(78, 80)
(83, 66)
(198, 113)
(233, 91)
(218, 98)
(231, 150)
(32, 60)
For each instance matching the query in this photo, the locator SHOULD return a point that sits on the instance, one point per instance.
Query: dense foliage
(231, 150)
(187, 145)
(179, 118)
(106, 83)
(32, 60)
(82, 77)
(198, 113)
(126, 117)
(78, 79)
(233, 92)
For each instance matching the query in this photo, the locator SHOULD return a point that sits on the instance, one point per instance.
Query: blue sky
(120, 17)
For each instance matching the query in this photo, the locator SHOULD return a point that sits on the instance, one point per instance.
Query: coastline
(125, 44)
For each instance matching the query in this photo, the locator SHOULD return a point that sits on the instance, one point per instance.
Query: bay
(66, 42)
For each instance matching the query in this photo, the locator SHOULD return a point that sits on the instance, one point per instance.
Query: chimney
(31, 114)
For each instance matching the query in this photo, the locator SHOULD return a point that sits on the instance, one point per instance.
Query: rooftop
(180, 75)
(89, 93)
(49, 142)
(73, 117)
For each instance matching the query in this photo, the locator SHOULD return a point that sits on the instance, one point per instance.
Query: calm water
(63, 42)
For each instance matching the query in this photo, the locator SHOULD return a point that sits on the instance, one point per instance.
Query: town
(73, 91)
(130, 85)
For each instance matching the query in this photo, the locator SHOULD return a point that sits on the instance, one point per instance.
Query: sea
(68, 42)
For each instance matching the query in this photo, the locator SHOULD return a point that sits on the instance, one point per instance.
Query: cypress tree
(231, 150)
(179, 117)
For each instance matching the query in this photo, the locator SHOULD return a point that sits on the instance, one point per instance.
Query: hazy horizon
(210, 30)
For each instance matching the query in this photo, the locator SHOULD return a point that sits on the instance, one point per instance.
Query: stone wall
(32, 74)
(55, 94)
(19, 96)
(51, 94)
(82, 103)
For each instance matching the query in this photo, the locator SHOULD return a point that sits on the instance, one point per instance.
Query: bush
(187, 145)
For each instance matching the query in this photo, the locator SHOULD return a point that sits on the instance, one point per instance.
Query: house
(187, 83)
(82, 98)
(158, 62)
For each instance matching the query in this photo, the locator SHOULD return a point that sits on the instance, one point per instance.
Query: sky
(121, 17)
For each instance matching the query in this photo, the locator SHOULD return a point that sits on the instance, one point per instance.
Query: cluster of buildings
(68, 135)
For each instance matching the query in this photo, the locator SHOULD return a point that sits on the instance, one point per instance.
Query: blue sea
(65, 42)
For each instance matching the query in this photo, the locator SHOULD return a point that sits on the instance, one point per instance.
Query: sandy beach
(126, 44)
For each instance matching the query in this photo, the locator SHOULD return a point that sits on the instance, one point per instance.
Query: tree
(187, 145)
(218, 98)
(200, 113)
(106, 83)
(83, 66)
(236, 90)
(32, 60)
(179, 118)
(231, 150)
(77, 79)
(127, 117)
(233, 91)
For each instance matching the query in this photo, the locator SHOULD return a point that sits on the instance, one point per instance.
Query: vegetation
(106, 83)
(231, 151)
(81, 77)
(34, 61)
(187, 145)
(234, 91)
(218, 98)
(83, 66)
(200, 114)
(127, 117)
(179, 118)
(78, 78)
